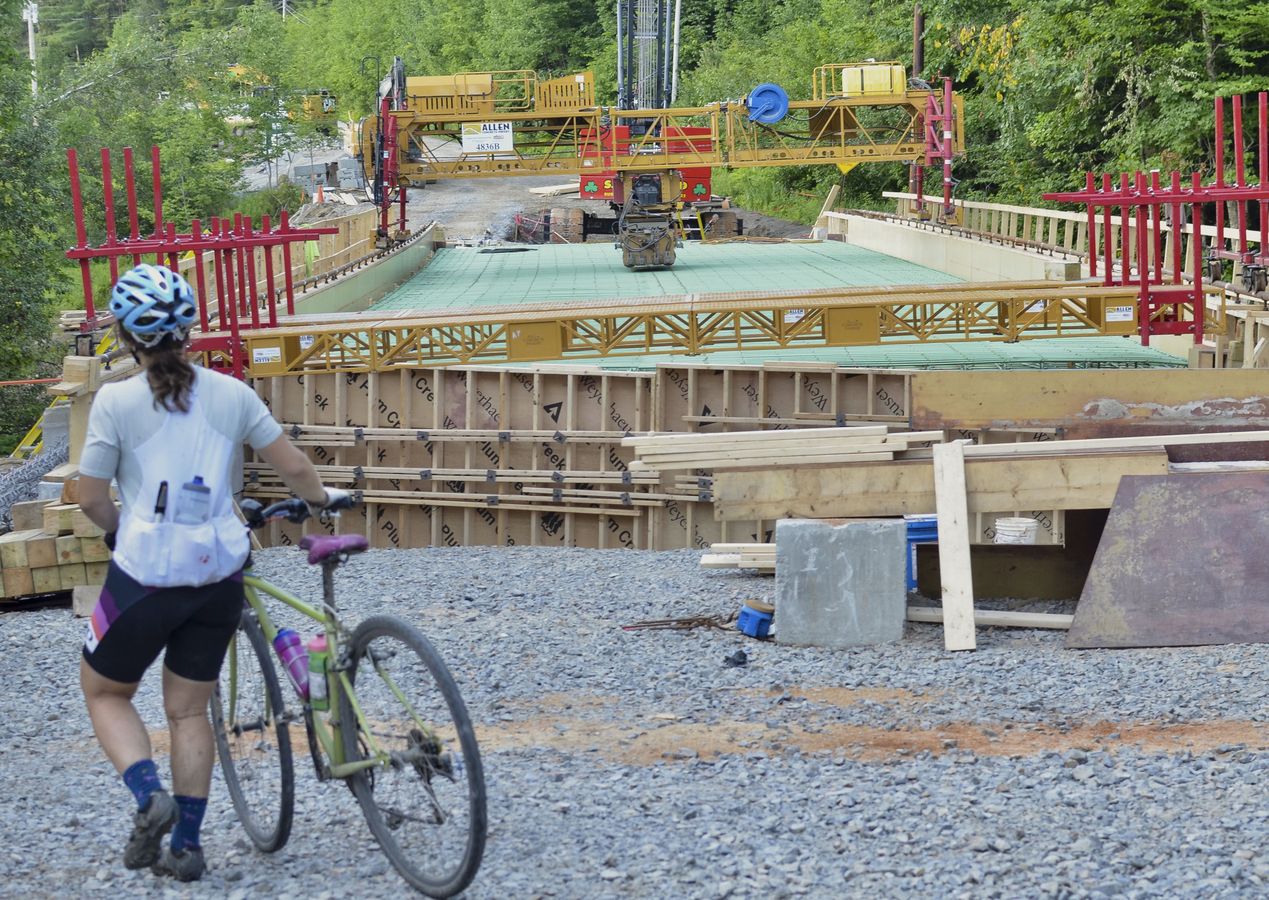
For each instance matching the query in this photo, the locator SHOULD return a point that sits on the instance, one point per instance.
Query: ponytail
(168, 370)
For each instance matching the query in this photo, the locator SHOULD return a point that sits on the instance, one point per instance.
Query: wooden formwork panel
(452, 476)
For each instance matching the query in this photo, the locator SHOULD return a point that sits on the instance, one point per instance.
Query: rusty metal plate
(1184, 560)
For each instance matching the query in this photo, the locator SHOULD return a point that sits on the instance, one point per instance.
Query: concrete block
(49, 490)
(840, 585)
(55, 424)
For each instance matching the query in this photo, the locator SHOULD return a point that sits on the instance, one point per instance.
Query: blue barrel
(767, 104)
(921, 530)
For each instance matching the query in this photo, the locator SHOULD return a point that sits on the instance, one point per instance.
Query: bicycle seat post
(328, 581)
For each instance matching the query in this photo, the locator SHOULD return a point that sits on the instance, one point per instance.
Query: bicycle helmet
(151, 303)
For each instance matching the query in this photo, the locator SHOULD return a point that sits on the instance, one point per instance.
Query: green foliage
(30, 207)
(269, 202)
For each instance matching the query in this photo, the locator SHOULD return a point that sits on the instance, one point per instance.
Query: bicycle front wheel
(425, 800)
(253, 739)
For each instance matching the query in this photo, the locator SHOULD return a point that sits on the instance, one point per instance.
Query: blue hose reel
(767, 104)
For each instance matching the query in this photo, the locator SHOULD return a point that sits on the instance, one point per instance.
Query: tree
(31, 205)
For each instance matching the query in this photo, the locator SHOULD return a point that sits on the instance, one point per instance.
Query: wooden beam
(953, 513)
(1000, 618)
(1080, 481)
(1048, 448)
(973, 400)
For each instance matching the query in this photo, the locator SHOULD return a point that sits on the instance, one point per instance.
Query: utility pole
(31, 15)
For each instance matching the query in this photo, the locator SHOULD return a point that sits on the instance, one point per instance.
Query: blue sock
(185, 834)
(142, 778)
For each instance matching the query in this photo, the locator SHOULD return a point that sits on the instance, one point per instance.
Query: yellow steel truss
(552, 138)
(700, 323)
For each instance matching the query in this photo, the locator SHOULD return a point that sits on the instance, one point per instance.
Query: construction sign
(488, 137)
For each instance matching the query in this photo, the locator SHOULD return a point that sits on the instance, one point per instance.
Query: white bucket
(1018, 530)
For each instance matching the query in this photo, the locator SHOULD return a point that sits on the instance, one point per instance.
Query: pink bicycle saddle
(323, 547)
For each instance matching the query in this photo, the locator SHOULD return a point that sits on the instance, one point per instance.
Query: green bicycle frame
(327, 735)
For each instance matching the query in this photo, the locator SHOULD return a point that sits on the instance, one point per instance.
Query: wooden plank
(72, 574)
(46, 579)
(1046, 448)
(95, 572)
(69, 550)
(41, 550)
(57, 519)
(17, 582)
(27, 515)
(957, 576)
(13, 548)
(93, 550)
(82, 526)
(696, 441)
(997, 618)
(84, 599)
(64, 472)
(1084, 481)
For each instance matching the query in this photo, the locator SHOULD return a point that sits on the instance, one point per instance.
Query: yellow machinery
(491, 124)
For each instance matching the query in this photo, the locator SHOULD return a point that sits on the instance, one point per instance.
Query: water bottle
(290, 649)
(193, 504)
(318, 659)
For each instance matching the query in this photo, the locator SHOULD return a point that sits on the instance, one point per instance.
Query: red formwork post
(81, 233)
(947, 147)
(235, 339)
(108, 197)
(1240, 176)
(1200, 306)
(173, 257)
(402, 190)
(158, 195)
(249, 251)
(1107, 244)
(1144, 308)
(200, 279)
(1090, 187)
(218, 272)
(1125, 232)
(271, 293)
(1262, 154)
(288, 279)
(1156, 228)
(1178, 231)
(1218, 245)
(130, 187)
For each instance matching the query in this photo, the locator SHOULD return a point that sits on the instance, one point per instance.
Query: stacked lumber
(65, 552)
(764, 449)
(761, 557)
(53, 546)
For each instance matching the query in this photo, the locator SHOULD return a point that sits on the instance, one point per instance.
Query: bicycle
(402, 741)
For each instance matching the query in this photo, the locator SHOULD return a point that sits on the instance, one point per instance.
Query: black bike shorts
(132, 623)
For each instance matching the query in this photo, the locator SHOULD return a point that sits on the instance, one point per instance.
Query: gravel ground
(635, 764)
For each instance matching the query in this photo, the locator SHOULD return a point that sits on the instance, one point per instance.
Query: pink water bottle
(290, 649)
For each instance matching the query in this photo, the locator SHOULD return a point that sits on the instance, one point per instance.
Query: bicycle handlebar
(293, 510)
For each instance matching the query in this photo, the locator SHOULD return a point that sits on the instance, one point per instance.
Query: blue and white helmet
(151, 303)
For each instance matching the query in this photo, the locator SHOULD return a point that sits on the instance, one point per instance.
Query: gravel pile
(21, 482)
(636, 764)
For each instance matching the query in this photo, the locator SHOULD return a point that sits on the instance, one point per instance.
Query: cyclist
(172, 438)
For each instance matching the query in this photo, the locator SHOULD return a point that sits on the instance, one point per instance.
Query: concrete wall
(972, 260)
(357, 291)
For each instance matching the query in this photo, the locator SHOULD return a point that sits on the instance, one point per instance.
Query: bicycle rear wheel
(425, 803)
(253, 738)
